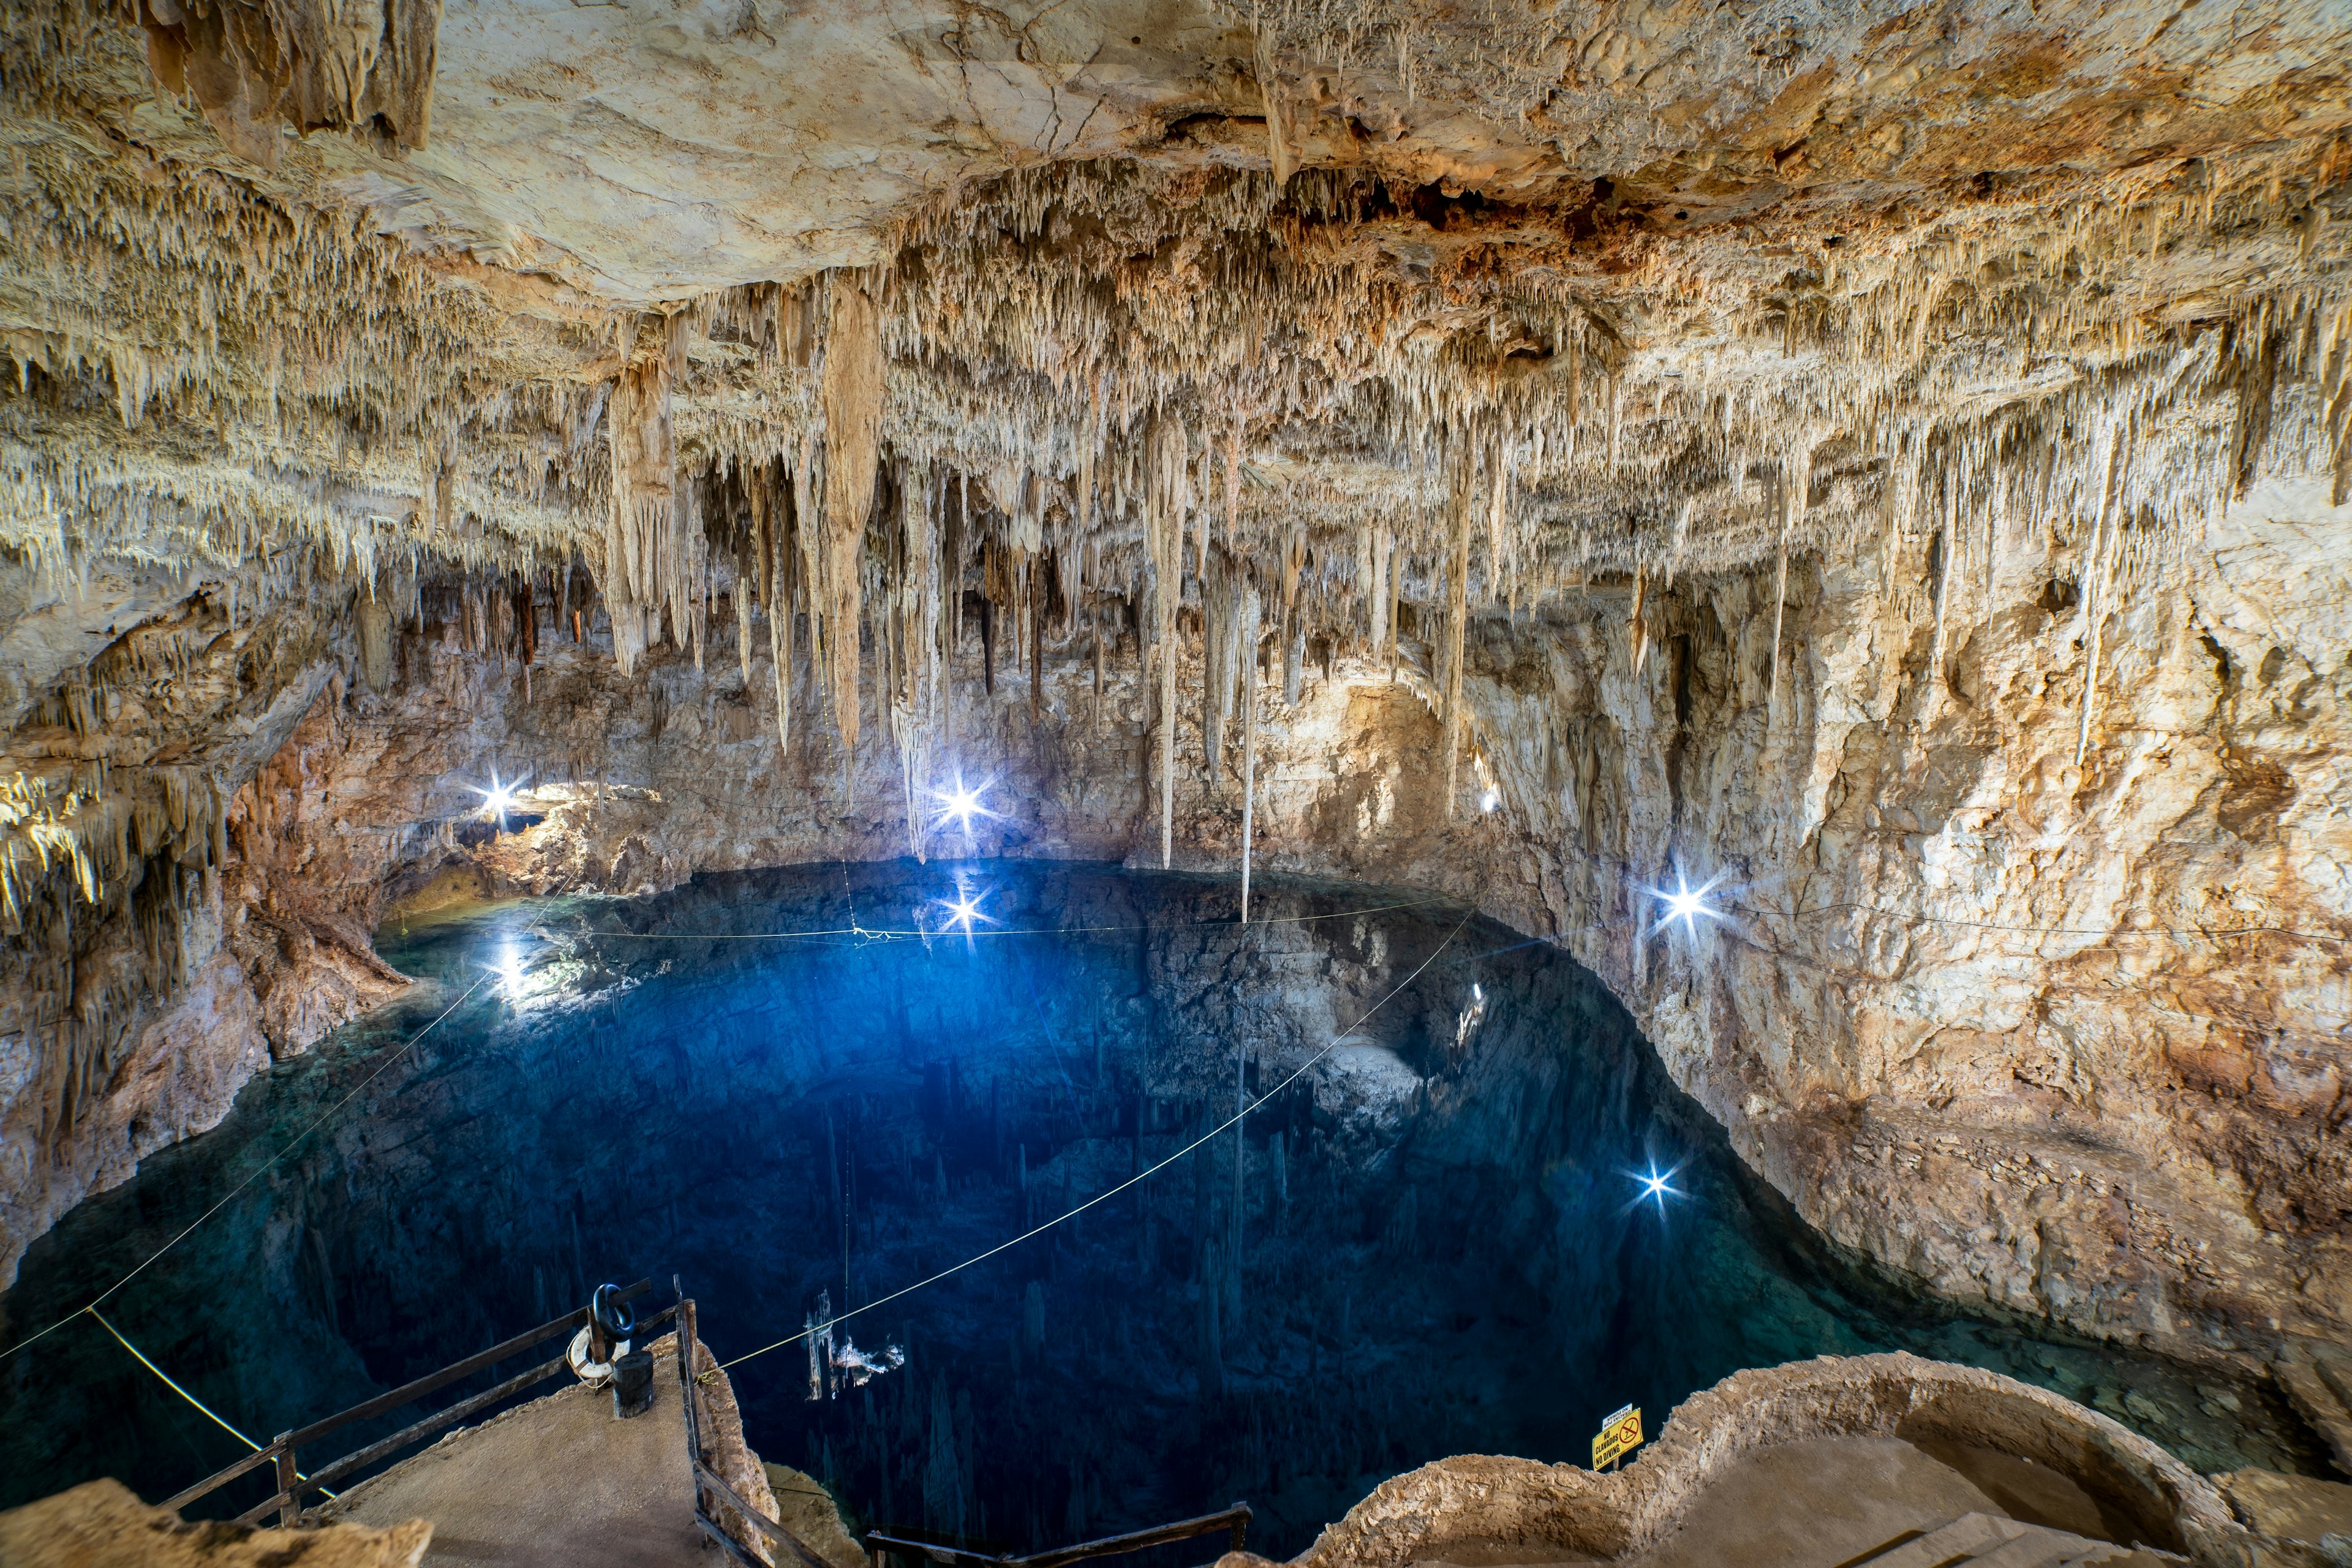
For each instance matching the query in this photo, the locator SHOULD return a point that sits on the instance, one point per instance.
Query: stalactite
(1793, 492)
(1037, 639)
(642, 529)
(1168, 498)
(781, 514)
(1246, 654)
(852, 419)
(742, 597)
(1294, 632)
(2113, 444)
(1234, 479)
(1379, 593)
(1947, 544)
(1637, 629)
(1457, 602)
(912, 615)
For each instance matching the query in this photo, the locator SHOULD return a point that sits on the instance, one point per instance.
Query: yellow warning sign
(1619, 1435)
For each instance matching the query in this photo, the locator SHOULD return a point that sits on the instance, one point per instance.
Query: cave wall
(1965, 1007)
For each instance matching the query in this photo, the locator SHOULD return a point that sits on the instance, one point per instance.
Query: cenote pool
(1434, 1241)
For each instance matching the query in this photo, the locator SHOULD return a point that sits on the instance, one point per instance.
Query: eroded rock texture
(1887, 467)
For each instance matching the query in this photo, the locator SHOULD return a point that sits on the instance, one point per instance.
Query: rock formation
(1478, 1505)
(101, 1523)
(1889, 468)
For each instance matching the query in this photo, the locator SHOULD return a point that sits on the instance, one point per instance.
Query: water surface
(1441, 1237)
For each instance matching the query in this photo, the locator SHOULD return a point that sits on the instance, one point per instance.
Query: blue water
(1438, 1242)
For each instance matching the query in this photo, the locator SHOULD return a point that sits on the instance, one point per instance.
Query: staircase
(1984, 1540)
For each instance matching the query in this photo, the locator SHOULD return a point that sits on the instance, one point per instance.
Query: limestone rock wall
(1971, 1005)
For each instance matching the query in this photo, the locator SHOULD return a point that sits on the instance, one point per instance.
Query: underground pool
(1480, 1221)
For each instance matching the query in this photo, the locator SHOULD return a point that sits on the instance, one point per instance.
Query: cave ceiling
(529, 285)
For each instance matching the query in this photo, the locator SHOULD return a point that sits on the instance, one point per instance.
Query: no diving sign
(1619, 1435)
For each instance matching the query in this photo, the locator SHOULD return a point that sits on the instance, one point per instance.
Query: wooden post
(287, 1481)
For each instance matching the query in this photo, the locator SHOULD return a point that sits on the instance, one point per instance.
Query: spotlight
(1490, 800)
(961, 804)
(1686, 903)
(498, 800)
(1655, 1185)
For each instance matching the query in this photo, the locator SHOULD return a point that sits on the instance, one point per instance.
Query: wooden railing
(708, 1483)
(791, 1549)
(293, 1486)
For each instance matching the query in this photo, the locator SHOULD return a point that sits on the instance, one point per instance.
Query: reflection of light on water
(963, 909)
(528, 979)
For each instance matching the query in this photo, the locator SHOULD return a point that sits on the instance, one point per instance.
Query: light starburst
(1655, 1185)
(1686, 903)
(499, 800)
(963, 911)
(960, 804)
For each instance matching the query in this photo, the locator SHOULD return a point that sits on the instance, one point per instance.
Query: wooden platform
(555, 1482)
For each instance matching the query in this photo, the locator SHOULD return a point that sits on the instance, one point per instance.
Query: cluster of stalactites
(2132, 455)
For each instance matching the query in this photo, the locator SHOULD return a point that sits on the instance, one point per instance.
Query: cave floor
(556, 1481)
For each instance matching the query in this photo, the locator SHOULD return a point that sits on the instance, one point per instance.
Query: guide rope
(173, 1385)
(1223, 1127)
(254, 1176)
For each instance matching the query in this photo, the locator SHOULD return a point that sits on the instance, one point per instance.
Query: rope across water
(1144, 1175)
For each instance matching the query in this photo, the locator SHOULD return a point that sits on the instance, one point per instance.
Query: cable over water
(1226, 1126)
(254, 1175)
